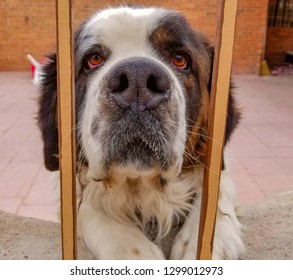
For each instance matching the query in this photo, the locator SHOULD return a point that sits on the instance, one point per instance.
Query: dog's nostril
(123, 83)
(152, 84)
(120, 84)
(156, 86)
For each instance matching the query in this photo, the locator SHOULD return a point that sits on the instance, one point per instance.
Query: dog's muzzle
(138, 84)
(141, 125)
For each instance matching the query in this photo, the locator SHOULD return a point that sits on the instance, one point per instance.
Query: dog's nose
(139, 84)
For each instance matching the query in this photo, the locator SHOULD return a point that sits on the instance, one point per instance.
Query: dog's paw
(183, 248)
(127, 250)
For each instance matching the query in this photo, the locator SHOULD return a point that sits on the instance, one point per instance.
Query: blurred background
(264, 29)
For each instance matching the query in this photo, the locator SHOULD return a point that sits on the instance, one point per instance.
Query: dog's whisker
(205, 136)
(191, 157)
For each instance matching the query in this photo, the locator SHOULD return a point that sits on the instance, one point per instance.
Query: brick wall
(28, 26)
(250, 38)
(279, 40)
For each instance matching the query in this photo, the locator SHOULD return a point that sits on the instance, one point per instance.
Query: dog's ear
(47, 114)
(233, 112)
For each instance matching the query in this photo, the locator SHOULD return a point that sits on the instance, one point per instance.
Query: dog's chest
(161, 208)
(166, 242)
(158, 208)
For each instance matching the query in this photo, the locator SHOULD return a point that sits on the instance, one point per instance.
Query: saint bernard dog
(142, 86)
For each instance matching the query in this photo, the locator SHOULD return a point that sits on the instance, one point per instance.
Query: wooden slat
(217, 125)
(66, 118)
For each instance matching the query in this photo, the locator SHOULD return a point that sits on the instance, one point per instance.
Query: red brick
(29, 27)
(279, 40)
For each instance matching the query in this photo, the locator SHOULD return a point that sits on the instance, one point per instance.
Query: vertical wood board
(66, 126)
(217, 125)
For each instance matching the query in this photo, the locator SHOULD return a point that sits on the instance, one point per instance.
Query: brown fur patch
(197, 137)
(136, 252)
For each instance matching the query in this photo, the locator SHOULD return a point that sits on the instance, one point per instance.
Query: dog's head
(142, 94)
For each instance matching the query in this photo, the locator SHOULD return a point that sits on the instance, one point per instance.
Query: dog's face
(142, 94)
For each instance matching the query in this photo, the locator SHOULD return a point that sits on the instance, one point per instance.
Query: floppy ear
(233, 115)
(47, 114)
(233, 112)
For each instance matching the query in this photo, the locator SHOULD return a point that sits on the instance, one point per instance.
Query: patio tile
(285, 118)
(272, 183)
(253, 151)
(9, 117)
(21, 170)
(16, 139)
(43, 189)
(287, 129)
(3, 164)
(271, 136)
(232, 162)
(8, 151)
(3, 129)
(18, 179)
(287, 165)
(259, 166)
(282, 152)
(30, 153)
(10, 205)
(243, 136)
(253, 118)
(44, 211)
(14, 189)
(247, 191)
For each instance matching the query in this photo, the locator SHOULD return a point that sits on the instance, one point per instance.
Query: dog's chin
(141, 154)
(138, 158)
(131, 171)
(141, 161)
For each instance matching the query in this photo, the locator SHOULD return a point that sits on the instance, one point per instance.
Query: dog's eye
(181, 61)
(95, 60)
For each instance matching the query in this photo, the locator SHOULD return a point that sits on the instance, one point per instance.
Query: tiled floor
(261, 150)
(25, 185)
(262, 147)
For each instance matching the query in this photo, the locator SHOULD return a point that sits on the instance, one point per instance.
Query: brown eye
(95, 60)
(180, 61)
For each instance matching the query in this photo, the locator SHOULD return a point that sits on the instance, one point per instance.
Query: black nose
(139, 84)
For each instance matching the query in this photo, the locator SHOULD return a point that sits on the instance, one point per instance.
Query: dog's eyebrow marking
(97, 180)
(88, 36)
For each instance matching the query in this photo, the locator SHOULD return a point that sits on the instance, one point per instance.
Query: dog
(142, 89)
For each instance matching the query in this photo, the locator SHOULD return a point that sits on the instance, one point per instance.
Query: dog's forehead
(123, 26)
(125, 12)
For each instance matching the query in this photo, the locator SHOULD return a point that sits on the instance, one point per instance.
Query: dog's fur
(141, 136)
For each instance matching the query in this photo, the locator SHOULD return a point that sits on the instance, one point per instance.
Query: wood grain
(66, 125)
(217, 125)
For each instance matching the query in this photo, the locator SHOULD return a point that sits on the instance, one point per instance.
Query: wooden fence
(217, 124)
